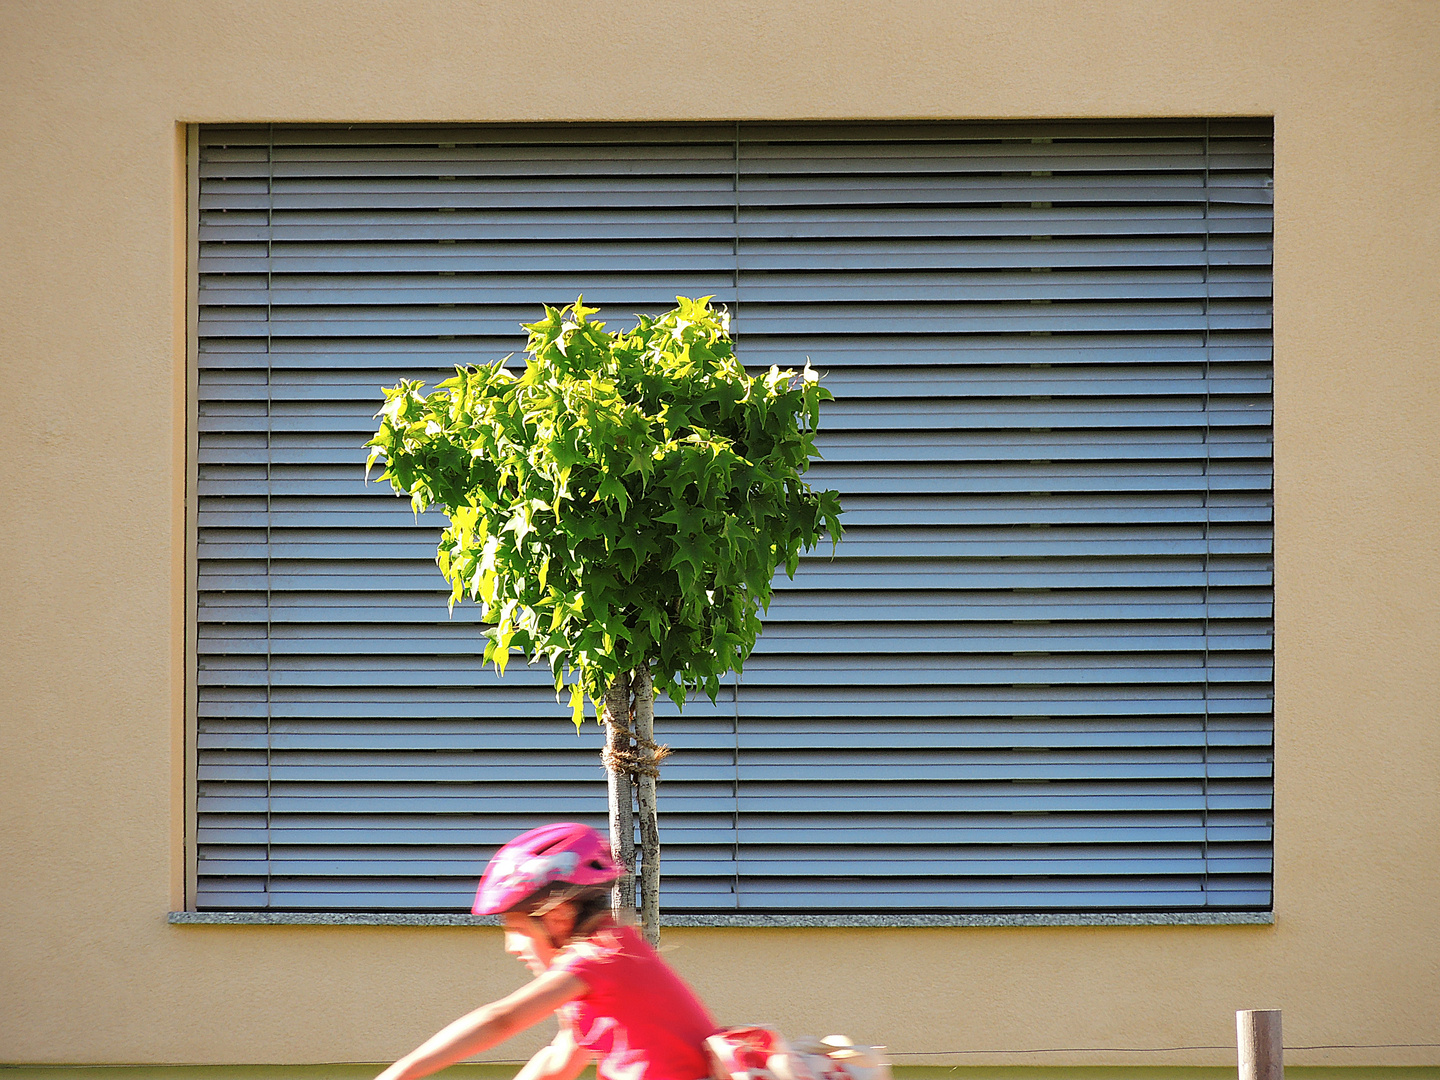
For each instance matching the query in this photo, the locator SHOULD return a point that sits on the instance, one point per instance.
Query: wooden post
(622, 793)
(644, 691)
(1258, 1041)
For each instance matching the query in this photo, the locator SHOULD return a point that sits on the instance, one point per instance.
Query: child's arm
(488, 1025)
(563, 1059)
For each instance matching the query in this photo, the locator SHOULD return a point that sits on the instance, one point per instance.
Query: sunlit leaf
(625, 501)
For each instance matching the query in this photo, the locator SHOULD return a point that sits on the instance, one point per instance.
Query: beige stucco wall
(92, 579)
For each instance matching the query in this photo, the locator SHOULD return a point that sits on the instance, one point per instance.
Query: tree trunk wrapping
(643, 691)
(621, 792)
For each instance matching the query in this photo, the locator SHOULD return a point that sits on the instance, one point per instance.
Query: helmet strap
(537, 919)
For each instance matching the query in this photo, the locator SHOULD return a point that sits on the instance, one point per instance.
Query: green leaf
(577, 706)
(576, 564)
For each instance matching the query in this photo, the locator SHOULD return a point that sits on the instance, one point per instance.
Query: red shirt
(638, 1017)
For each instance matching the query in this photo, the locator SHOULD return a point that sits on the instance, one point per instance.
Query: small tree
(619, 510)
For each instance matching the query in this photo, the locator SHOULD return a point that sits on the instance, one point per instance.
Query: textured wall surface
(92, 343)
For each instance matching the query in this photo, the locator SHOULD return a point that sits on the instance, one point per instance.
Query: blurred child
(619, 1004)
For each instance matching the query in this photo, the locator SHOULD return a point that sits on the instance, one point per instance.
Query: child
(618, 1001)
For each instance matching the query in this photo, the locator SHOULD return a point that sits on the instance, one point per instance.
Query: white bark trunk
(621, 790)
(643, 692)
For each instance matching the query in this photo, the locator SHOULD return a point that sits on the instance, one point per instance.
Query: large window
(1036, 677)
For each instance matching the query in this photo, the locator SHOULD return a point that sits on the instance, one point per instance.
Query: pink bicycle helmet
(565, 852)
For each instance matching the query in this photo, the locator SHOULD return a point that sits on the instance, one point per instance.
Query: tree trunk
(622, 823)
(643, 691)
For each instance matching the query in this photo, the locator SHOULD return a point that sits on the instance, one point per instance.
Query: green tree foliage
(624, 502)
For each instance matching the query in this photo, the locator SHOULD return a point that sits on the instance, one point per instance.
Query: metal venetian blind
(1036, 676)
